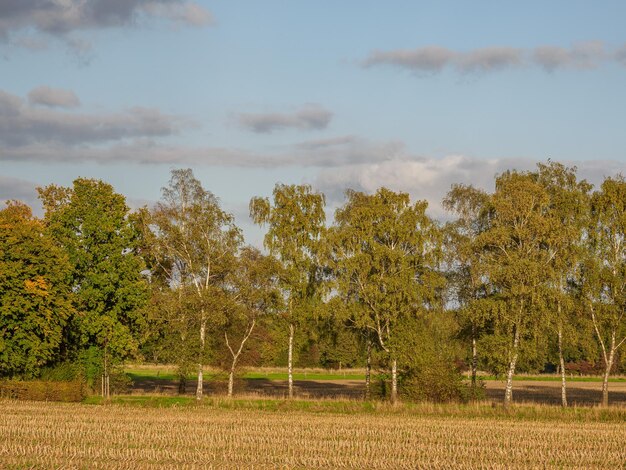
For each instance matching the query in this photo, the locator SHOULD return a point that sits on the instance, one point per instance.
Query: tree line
(530, 277)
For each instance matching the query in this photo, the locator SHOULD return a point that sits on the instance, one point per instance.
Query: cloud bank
(24, 124)
(434, 59)
(60, 17)
(309, 117)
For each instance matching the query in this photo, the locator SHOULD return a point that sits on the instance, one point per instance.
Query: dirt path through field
(549, 392)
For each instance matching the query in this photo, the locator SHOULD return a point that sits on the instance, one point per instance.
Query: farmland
(294, 434)
(320, 383)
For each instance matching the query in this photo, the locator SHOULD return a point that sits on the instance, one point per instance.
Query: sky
(358, 94)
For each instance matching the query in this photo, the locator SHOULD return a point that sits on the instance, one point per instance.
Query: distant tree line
(530, 277)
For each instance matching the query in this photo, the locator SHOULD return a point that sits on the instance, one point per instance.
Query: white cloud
(431, 178)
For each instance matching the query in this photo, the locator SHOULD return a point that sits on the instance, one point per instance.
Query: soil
(528, 391)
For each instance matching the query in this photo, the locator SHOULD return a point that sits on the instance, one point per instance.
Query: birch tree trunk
(562, 367)
(607, 372)
(200, 386)
(508, 393)
(368, 370)
(235, 355)
(290, 360)
(394, 381)
(474, 360)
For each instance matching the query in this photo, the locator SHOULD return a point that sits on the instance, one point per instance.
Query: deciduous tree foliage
(466, 275)
(516, 260)
(527, 277)
(93, 225)
(567, 213)
(254, 293)
(194, 246)
(35, 296)
(384, 248)
(295, 226)
(605, 272)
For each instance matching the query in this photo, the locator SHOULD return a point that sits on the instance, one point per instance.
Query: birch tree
(567, 216)
(194, 244)
(605, 272)
(383, 248)
(254, 293)
(468, 279)
(512, 250)
(295, 221)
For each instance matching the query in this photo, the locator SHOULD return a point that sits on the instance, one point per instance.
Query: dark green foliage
(93, 225)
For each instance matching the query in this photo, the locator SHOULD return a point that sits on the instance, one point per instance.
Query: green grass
(302, 376)
(477, 410)
(151, 401)
(169, 373)
(155, 372)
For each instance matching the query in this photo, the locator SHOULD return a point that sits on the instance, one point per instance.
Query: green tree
(567, 215)
(194, 246)
(94, 226)
(295, 220)
(604, 273)
(472, 294)
(384, 250)
(35, 295)
(516, 261)
(254, 292)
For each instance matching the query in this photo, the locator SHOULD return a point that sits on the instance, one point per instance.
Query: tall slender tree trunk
(200, 386)
(368, 370)
(394, 381)
(235, 355)
(106, 387)
(607, 372)
(508, 393)
(231, 379)
(474, 359)
(290, 360)
(562, 365)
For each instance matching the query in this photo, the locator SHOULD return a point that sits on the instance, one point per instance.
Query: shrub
(43, 390)
(437, 381)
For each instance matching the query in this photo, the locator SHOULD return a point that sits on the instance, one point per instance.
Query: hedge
(42, 390)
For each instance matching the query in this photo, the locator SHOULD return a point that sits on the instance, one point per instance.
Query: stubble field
(53, 435)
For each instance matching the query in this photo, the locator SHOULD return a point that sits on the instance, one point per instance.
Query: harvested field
(53, 435)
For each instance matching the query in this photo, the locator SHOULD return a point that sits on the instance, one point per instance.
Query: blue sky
(411, 95)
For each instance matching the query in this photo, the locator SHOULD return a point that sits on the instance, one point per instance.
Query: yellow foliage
(37, 286)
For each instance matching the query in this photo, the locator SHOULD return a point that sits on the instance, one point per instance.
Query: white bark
(607, 372)
(290, 360)
(562, 367)
(235, 355)
(394, 381)
(474, 361)
(200, 386)
(508, 393)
